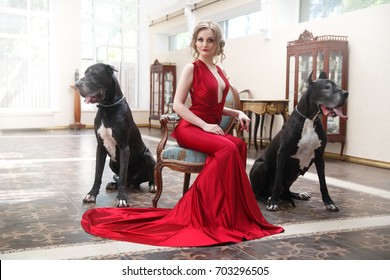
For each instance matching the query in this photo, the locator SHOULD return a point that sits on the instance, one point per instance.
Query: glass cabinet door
(291, 82)
(336, 66)
(155, 92)
(320, 62)
(168, 92)
(305, 67)
(335, 74)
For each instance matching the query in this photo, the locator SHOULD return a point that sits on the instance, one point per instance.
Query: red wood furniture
(327, 54)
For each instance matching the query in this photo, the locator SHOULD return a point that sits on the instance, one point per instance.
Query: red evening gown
(219, 207)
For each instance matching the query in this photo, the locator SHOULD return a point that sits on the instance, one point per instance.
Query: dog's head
(97, 80)
(327, 96)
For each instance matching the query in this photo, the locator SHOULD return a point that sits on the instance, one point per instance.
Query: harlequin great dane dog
(299, 143)
(117, 135)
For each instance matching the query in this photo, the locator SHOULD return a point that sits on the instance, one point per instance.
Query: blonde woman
(220, 206)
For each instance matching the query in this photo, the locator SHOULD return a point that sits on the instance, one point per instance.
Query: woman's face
(205, 43)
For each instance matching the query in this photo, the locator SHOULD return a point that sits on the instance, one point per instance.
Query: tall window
(110, 35)
(24, 55)
(316, 9)
(241, 26)
(231, 28)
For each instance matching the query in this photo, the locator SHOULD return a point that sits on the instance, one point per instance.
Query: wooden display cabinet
(162, 89)
(318, 54)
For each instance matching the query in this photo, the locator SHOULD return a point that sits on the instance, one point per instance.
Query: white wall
(259, 64)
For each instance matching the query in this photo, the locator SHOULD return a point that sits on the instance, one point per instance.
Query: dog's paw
(152, 189)
(122, 203)
(89, 198)
(112, 186)
(331, 207)
(304, 196)
(273, 207)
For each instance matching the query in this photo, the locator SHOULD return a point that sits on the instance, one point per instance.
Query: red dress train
(219, 207)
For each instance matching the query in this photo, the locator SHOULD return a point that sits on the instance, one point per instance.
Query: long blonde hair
(220, 43)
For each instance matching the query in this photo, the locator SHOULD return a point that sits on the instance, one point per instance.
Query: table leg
(257, 120)
(270, 130)
(249, 114)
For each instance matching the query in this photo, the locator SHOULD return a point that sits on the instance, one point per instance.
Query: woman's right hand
(213, 128)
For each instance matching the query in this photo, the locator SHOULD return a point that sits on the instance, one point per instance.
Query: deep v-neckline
(220, 81)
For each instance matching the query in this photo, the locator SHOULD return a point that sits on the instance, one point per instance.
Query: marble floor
(44, 175)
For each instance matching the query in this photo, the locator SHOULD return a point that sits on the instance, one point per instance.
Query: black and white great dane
(117, 135)
(299, 143)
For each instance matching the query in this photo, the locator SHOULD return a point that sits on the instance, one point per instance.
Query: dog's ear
(111, 68)
(310, 79)
(323, 75)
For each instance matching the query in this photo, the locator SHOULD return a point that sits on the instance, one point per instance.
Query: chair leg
(186, 184)
(159, 184)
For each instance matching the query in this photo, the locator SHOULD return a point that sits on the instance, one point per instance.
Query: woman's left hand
(244, 121)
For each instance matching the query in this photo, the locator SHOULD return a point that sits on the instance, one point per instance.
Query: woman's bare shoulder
(189, 67)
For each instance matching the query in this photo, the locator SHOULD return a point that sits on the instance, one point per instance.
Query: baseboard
(347, 158)
(363, 161)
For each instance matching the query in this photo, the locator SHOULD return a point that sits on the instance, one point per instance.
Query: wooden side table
(265, 107)
(77, 111)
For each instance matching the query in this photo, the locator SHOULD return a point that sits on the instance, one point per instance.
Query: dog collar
(111, 105)
(303, 116)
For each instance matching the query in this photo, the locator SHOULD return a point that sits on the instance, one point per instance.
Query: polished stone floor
(45, 174)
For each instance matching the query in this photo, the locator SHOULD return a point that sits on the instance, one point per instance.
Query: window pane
(40, 5)
(130, 15)
(130, 38)
(86, 33)
(114, 54)
(101, 54)
(86, 9)
(179, 41)
(254, 23)
(108, 12)
(12, 49)
(183, 40)
(130, 55)
(13, 71)
(39, 94)
(237, 27)
(131, 2)
(13, 24)
(19, 4)
(242, 25)
(39, 27)
(108, 35)
(87, 51)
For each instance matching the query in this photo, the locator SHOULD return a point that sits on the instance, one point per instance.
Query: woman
(220, 206)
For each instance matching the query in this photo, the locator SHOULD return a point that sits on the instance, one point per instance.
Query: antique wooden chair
(185, 160)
